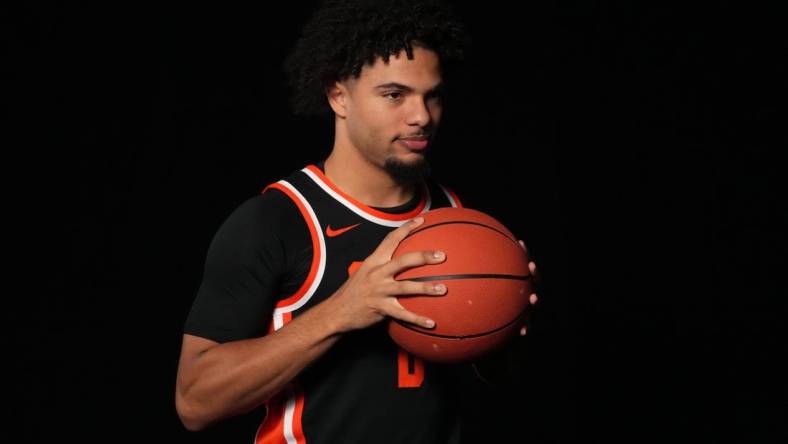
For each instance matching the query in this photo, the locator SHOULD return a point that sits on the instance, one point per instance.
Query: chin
(406, 172)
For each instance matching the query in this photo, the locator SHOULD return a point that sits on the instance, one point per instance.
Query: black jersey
(363, 389)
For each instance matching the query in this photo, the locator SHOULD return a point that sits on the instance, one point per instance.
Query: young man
(299, 278)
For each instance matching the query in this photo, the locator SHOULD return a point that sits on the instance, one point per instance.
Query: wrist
(332, 317)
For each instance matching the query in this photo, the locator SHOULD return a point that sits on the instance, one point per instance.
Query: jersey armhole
(315, 270)
(452, 196)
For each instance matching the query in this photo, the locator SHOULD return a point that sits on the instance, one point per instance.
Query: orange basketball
(488, 285)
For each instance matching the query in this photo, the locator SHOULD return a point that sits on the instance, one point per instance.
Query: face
(388, 104)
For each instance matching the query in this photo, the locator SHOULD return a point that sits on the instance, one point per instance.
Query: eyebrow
(395, 85)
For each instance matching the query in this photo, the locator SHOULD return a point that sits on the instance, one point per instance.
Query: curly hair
(344, 35)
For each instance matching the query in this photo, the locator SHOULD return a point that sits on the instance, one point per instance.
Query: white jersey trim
(278, 312)
(448, 195)
(359, 211)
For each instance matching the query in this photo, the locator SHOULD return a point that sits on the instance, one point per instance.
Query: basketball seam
(464, 276)
(449, 277)
(418, 230)
(435, 335)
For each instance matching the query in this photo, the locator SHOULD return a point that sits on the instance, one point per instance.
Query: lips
(416, 143)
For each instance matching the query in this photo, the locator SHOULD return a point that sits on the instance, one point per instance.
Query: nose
(419, 114)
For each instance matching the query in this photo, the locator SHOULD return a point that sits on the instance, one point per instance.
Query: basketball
(488, 286)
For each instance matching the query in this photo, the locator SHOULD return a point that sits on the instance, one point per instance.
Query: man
(299, 278)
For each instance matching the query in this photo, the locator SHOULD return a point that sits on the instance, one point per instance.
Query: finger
(533, 299)
(412, 259)
(534, 272)
(386, 248)
(397, 311)
(420, 288)
(525, 322)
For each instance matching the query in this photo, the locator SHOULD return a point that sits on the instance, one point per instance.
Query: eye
(393, 93)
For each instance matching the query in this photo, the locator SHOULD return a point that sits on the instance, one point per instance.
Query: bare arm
(216, 381)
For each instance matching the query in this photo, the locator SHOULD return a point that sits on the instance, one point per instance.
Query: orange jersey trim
(272, 430)
(454, 196)
(313, 233)
(367, 209)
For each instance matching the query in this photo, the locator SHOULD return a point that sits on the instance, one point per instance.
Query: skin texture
(369, 162)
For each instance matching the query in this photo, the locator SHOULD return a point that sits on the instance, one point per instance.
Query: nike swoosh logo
(332, 233)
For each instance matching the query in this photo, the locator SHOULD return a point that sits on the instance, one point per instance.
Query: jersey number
(410, 369)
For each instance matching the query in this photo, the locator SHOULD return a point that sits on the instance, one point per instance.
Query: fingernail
(418, 220)
(438, 254)
(440, 287)
(430, 323)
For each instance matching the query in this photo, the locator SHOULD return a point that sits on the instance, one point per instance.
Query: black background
(633, 147)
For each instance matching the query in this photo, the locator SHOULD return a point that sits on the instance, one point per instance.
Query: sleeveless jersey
(365, 388)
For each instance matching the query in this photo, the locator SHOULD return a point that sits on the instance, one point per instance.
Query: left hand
(495, 363)
(533, 299)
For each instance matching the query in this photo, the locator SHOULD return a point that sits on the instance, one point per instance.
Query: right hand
(369, 295)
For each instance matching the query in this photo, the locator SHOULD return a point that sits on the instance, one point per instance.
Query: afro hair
(344, 35)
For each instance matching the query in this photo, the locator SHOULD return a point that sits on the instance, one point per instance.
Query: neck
(364, 181)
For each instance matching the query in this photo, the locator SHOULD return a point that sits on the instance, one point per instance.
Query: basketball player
(298, 278)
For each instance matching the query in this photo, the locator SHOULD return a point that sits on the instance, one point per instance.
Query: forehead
(423, 71)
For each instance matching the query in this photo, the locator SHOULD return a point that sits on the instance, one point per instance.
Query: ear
(338, 95)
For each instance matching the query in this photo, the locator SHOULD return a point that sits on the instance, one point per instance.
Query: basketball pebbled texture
(488, 286)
